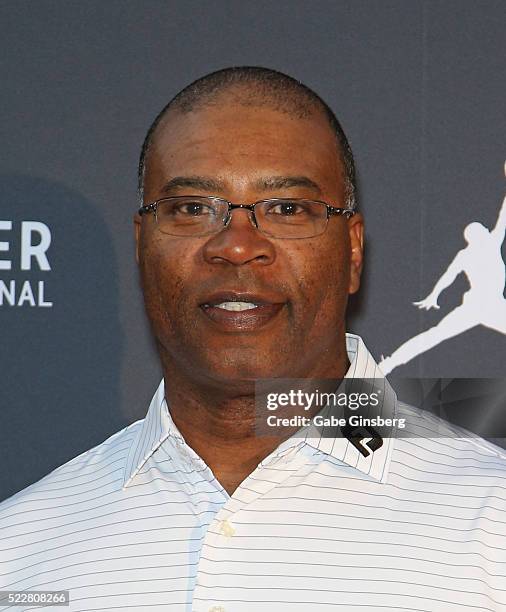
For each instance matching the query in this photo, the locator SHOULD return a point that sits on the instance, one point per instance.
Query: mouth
(238, 311)
(235, 306)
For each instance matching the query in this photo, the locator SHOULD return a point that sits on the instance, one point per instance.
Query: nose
(240, 242)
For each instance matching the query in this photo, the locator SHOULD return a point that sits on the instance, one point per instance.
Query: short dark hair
(271, 87)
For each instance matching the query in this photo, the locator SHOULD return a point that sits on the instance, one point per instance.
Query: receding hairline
(254, 87)
(232, 97)
(248, 93)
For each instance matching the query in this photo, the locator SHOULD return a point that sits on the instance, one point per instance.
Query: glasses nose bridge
(250, 208)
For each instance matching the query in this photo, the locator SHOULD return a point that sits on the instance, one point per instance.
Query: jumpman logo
(483, 304)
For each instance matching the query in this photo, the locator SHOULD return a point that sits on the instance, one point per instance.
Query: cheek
(163, 272)
(321, 270)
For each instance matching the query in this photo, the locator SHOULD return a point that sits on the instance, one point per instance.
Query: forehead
(243, 142)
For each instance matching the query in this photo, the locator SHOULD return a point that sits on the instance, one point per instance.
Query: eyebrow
(285, 182)
(205, 183)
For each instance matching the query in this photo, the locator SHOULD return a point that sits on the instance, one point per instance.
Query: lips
(241, 311)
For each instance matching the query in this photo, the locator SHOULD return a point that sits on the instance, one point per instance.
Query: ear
(137, 227)
(356, 231)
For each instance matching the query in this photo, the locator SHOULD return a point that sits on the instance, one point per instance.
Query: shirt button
(217, 609)
(228, 531)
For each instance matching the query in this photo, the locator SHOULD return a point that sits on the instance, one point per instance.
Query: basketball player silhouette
(483, 304)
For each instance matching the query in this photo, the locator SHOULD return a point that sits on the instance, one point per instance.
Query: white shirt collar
(158, 426)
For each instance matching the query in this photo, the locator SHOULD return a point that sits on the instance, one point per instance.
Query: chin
(239, 366)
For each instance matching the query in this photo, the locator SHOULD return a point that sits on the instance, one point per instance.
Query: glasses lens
(190, 216)
(284, 218)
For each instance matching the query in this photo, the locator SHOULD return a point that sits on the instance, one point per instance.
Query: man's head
(245, 135)
(255, 86)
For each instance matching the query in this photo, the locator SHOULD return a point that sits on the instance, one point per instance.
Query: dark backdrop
(418, 86)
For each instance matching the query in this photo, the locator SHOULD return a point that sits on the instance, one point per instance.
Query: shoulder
(440, 448)
(457, 479)
(57, 512)
(97, 467)
(462, 255)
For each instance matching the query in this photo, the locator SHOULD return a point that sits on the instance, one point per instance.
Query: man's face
(301, 284)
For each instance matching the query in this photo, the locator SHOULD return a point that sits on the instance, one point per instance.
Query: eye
(287, 208)
(193, 208)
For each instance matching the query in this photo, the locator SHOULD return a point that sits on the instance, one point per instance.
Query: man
(189, 509)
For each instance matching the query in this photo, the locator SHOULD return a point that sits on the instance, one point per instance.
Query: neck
(217, 420)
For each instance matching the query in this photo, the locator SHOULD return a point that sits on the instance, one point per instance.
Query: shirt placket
(227, 526)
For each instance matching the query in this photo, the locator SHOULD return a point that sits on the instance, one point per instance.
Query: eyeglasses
(277, 217)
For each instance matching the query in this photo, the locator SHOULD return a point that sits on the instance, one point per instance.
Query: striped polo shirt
(140, 523)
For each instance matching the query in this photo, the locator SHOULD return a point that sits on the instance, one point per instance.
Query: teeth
(236, 306)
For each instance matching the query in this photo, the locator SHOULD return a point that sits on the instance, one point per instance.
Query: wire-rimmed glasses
(275, 217)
